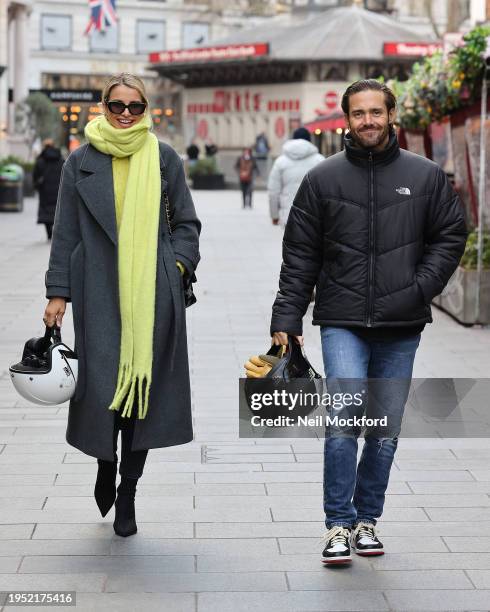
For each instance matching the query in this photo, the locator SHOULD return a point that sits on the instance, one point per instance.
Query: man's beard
(371, 140)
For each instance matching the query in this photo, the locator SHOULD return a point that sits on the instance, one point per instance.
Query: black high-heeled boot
(105, 485)
(125, 521)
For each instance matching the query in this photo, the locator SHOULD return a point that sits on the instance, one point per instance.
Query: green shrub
(13, 159)
(204, 167)
(470, 256)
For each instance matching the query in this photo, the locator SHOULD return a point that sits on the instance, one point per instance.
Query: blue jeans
(351, 492)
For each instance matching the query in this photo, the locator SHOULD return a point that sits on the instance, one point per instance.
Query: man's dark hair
(365, 85)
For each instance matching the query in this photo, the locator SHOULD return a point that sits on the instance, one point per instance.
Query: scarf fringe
(127, 385)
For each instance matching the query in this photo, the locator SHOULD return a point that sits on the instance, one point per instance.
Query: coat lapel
(97, 190)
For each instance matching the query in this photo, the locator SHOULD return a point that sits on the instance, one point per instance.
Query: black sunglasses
(117, 107)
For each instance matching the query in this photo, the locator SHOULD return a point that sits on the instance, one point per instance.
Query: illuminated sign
(410, 49)
(210, 54)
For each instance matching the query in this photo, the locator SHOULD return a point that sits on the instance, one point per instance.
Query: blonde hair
(127, 79)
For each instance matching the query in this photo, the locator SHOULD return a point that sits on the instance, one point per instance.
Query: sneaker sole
(369, 553)
(337, 561)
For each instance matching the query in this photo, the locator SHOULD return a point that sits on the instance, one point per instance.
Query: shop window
(194, 34)
(150, 36)
(104, 41)
(56, 32)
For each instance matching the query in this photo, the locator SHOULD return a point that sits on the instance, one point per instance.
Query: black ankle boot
(105, 485)
(125, 521)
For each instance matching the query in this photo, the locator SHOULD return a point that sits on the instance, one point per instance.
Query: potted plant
(459, 296)
(204, 174)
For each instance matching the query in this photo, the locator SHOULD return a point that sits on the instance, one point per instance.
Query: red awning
(326, 123)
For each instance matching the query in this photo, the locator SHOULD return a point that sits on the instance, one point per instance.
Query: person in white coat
(298, 157)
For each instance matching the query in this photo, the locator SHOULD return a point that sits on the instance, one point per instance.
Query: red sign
(210, 54)
(280, 127)
(331, 100)
(410, 49)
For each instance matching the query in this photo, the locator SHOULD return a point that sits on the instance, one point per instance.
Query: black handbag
(189, 297)
(293, 373)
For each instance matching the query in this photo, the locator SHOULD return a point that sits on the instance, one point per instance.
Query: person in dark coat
(46, 178)
(379, 231)
(246, 168)
(115, 258)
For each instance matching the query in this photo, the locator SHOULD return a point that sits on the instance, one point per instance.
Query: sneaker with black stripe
(364, 540)
(337, 548)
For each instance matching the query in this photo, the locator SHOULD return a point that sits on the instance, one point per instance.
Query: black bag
(293, 373)
(189, 297)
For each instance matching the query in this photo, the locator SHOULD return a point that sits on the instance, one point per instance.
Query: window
(104, 41)
(55, 32)
(195, 34)
(150, 36)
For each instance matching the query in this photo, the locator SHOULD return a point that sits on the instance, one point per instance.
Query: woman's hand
(54, 312)
(279, 338)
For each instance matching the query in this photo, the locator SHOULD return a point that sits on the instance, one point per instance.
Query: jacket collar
(360, 156)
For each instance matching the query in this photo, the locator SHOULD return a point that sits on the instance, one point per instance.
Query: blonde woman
(115, 258)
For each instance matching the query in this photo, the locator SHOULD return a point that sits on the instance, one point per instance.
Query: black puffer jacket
(378, 233)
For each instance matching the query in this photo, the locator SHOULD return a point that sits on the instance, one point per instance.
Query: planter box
(459, 296)
(208, 181)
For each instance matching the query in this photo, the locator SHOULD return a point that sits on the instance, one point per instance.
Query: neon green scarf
(137, 254)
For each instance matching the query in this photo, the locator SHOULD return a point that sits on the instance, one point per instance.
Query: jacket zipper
(372, 242)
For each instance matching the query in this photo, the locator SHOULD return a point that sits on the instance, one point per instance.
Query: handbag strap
(165, 194)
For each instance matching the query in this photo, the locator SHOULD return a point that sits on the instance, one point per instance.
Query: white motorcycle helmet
(47, 374)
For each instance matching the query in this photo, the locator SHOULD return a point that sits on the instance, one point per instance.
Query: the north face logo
(403, 190)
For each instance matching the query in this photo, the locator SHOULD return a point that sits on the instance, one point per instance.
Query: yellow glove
(259, 366)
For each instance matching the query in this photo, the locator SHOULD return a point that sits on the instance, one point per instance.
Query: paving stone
(104, 531)
(196, 546)
(16, 531)
(436, 560)
(241, 563)
(9, 564)
(260, 530)
(244, 581)
(129, 602)
(311, 601)
(100, 564)
(22, 503)
(326, 580)
(55, 547)
(440, 500)
(476, 515)
(444, 601)
(432, 528)
(52, 582)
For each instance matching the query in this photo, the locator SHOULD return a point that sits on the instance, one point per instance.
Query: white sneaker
(337, 548)
(364, 540)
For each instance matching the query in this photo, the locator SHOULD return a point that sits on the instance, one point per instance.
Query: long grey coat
(83, 269)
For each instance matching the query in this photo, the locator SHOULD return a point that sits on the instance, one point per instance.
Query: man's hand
(275, 221)
(279, 338)
(54, 312)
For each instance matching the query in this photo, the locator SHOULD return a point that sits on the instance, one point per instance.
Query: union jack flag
(102, 15)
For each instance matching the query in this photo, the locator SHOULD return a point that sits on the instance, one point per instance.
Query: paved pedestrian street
(228, 524)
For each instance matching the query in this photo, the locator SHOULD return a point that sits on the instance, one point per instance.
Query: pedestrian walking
(379, 230)
(112, 256)
(46, 178)
(246, 167)
(298, 156)
(262, 146)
